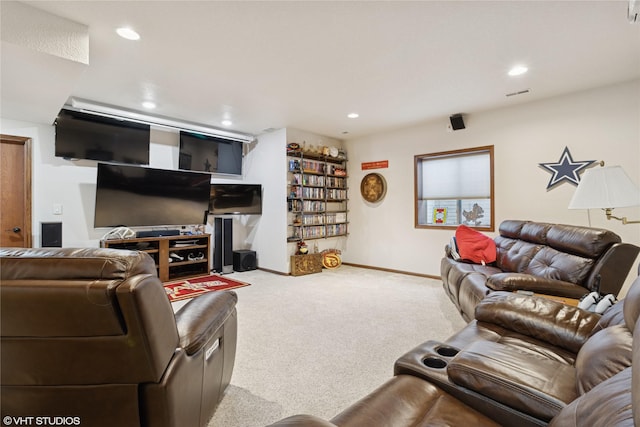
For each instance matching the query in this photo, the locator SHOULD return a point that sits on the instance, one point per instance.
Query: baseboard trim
(273, 271)
(369, 267)
(390, 270)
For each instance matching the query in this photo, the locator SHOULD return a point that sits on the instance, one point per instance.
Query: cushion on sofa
(532, 384)
(474, 246)
(528, 282)
(547, 320)
(608, 404)
(406, 400)
(591, 365)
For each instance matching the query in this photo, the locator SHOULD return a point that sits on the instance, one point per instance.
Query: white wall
(57, 181)
(265, 163)
(600, 124)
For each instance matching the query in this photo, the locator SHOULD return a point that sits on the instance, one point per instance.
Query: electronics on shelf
(157, 233)
(235, 199)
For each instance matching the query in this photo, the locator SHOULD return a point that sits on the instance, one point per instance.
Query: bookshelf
(317, 196)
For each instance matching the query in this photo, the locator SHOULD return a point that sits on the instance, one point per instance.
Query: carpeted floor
(315, 344)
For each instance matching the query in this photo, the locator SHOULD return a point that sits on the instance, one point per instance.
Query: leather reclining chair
(526, 358)
(90, 334)
(524, 361)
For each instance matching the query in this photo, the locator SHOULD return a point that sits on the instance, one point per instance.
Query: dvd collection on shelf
(317, 197)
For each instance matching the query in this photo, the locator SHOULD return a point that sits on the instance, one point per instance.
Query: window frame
(417, 173)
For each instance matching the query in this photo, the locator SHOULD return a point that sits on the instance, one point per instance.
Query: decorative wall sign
(380, 164)
(373, 187)
(565, 169)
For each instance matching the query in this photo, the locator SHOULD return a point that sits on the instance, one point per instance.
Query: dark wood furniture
(176, 257)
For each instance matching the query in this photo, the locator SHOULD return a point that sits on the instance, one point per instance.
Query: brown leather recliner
(408, 401)
(90, 334)
(551, 364)
(555, 259)
(524, 359)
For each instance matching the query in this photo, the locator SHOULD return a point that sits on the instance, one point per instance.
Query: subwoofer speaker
(223, 240)
(244, 260)
(457, 122)
(51, 233)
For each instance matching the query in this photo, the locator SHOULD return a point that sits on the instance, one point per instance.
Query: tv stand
(176, 257)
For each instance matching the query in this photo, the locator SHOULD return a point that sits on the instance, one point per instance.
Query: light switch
(57, 209)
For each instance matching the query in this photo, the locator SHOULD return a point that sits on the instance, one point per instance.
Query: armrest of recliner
(201, 317)
(302, 421)
(550, 321)
(527, 282)
(534, 385)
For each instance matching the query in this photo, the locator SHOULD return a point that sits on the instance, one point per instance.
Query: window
(453, 188)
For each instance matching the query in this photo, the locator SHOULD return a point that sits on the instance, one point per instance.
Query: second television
(206, 153)
(235, 199)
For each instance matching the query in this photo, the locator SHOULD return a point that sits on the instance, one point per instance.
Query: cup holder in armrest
(447, 351)
(434, 362)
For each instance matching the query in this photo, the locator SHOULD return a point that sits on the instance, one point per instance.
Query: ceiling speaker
(457, 122)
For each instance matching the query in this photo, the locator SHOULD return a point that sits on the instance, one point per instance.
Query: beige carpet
(315, 344)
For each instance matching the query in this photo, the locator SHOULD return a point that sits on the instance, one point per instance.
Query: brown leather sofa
(549, 364)
(89, 336)
(562, 260)
(523, 359)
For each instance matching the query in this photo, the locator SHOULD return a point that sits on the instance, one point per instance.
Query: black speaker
(51, 233)
(457, 122)
(244, 260)
(223, 241)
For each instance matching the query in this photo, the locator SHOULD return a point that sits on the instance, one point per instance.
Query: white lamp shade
(605, 187)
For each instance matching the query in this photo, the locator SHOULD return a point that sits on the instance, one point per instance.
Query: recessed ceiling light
(227, 122)
(150, 105)
(518, 70)
(128, 33)
(353, 115)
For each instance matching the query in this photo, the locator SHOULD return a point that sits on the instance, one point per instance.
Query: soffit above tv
(106, 110)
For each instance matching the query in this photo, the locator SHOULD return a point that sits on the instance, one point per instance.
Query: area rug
(190, 288)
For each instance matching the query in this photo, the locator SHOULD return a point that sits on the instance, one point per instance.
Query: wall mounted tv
(210, 154)
(236, 199)
(88, 136)
(135, 196)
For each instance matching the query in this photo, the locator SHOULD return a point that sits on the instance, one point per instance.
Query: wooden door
(15, 191)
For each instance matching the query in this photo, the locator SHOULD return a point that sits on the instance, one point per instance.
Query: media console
(176, 257)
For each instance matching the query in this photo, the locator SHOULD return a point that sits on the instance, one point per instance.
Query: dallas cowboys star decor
(565, 169)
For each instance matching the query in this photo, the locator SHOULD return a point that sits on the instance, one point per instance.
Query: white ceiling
(306, 65)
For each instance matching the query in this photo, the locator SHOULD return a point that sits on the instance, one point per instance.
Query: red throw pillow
(475, 246)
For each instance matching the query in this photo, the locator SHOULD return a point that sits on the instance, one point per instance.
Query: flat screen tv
(210, 154)
(136, 196)
(87, 136)
(236, 199)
